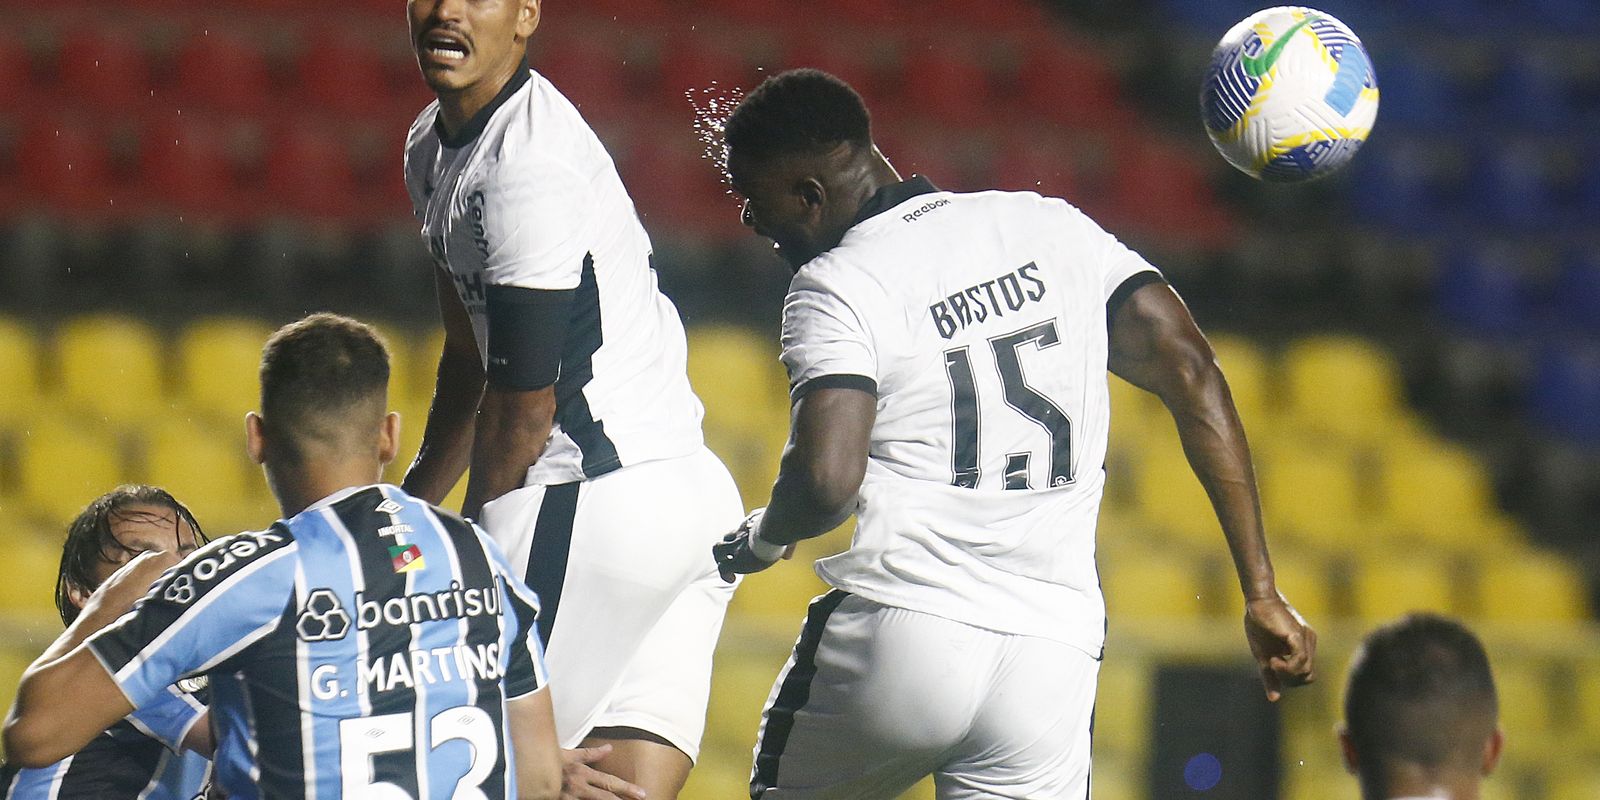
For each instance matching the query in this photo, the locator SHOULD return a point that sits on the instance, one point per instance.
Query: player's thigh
(871, 701)
(1031, 738)
(665, 687)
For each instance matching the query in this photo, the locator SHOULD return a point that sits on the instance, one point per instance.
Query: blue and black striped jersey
(364, 648)
(139, 758)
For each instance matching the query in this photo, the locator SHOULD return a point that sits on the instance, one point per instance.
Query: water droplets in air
(712, 106)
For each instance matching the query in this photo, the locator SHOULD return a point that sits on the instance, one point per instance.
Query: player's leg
(871, 701)
(1032, 737)
(657, 714)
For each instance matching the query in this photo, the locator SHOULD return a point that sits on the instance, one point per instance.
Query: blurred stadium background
(1414, 344)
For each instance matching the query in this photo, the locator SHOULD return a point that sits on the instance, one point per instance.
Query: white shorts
(875, 698)
(630, 601)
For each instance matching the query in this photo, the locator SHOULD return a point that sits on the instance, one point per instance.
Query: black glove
(734, 554)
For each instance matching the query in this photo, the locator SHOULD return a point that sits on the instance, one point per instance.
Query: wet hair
(1420, 692)
(90, 540)
(802, 111)
(320, 377)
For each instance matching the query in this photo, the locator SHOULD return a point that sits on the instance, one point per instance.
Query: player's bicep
(60, 706)
(830, 441)
(1154, 342)
(460, 342)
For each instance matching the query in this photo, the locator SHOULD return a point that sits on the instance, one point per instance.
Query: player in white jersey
(948, 356)
(563, 386)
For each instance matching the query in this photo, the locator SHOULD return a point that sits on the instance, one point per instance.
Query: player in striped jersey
(161, 751)
(366, 646)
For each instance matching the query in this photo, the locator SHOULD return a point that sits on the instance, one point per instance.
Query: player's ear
(255, 442)
(527, 18)
(389, 438)
(1492, 750)
(1352, 762)
(76, 597)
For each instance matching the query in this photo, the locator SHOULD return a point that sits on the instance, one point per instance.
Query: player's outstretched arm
(534, 748)
(66, 697)
(1156, 346)
(447, 439)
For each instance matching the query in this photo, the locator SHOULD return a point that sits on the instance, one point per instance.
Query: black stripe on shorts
(547, 556)
(793, 695)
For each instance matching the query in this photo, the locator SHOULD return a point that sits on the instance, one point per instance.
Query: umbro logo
(389, 507)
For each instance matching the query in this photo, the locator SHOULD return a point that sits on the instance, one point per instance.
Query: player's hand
(1284, 646)
(579, 781)
(131, 582)
(737, 554)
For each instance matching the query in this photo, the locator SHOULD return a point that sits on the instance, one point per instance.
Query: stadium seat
(598, 84)
(218, 363)
(1524, 689)
(1306, 580)
(1580, 783)
(224, 73)
(110, 368)
(1122, 709)
(1315, 494)
(1249, 375)
(68, 165)
(187, 166)
(63, 463)
(1028, 164)
(1162, 584)
(344, 77)
(309, 172)
(1532, 588)
(28, 592)
(945, 83)
(1438, 493)
(1586, 697)
(690, 63)
(1171, 497)
(740, 683)
(1484, 291)
(1070, 85)
(104, 70)
(779, 596)
(1344, 385)
(1389, 584)
(1513, 187)
(16, 69)
(738, 377)
(19, 363)
(1566, 391)
(1578, 302)
(205, 467)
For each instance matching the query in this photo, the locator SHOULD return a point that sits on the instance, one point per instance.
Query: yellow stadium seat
(1439, 493)
(219, 362)
(1579, 783)
(1249, 375)
(719, 773)
(1122, 708)
(739, 688)
(64, 462)
(924, 790)
(1523, 687)
(110, 368)
(1319, 783)
(1171, 497)
(1586, 691)
(1107, 784)
(425, 365)
(13, 662)
(206, 468)
(1532, 587)
(401, 341)
(1157, 585)
(738, 377)
(33, 561)
(1306, 582)
(1343, 384)
(19, 363)
(1387, 585)
(780, 594)
(1315, 495)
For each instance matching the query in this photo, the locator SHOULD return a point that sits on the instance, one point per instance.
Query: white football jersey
(525, 195)
(980, 319)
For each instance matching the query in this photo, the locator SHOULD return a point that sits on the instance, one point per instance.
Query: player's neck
(458, 107)
(298, 487)
(1409, 783)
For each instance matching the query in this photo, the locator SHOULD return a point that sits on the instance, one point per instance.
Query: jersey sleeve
(168, 717)
(1116, 262)
(530, 221)
(218, 601)
(826, 341)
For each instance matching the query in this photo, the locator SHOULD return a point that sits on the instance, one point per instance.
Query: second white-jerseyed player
(948, 356)
(523, 209)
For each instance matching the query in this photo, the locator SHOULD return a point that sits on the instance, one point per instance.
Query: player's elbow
(827, 485)
(29, 742)
(1191, 377)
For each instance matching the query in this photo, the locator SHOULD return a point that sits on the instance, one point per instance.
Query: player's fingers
(589, 755)
(1270, 681)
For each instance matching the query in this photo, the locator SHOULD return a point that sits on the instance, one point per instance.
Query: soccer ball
(1290, 95)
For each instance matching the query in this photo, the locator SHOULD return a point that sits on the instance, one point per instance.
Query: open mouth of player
(444, 48)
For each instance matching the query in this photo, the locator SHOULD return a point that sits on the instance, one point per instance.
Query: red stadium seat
(308, 173)
(65, 165)
(104, 70)
(224, 73)
(691, 63)
(597, 82)
(16, 72)
(1071, 86)
(344, 78)
(186, 165)
(941, 82)
(1037, 166)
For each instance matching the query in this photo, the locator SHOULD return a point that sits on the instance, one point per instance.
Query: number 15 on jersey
(1025, 400)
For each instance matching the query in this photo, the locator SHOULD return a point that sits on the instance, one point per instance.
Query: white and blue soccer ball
(1290, 95)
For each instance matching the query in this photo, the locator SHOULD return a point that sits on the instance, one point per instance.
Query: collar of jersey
(337, 496)
(480, 120)
(892, 195)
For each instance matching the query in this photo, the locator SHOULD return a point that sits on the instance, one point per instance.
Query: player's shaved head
(1420, 701)
(799, 112)
(800, 152)
(324, 387)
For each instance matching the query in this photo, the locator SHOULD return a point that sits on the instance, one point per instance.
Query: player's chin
(442, 77)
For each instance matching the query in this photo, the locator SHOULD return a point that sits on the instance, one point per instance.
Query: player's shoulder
(422, 132)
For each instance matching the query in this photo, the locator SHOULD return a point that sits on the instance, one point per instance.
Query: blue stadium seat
(1415, 94)
(1513, 187)
(1566, 391)
(1533, 92)
(1397, 185)
(1578, 295)
(1483, 291)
